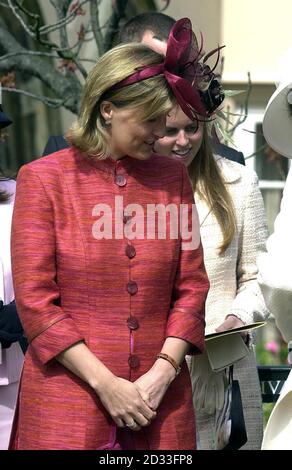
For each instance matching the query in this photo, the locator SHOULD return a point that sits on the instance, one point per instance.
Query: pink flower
(273, 347)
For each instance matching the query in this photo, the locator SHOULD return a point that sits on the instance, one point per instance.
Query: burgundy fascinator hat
(194, 84)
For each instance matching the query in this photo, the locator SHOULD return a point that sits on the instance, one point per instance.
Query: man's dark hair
(134, 29)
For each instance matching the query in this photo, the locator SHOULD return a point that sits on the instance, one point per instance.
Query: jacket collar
(229, 169)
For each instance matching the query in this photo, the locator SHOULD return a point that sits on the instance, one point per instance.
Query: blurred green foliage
(271, 353)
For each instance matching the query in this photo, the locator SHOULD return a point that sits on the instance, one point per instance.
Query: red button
(134, 361)
(130, 251)
(126, 218)
(132, 287)
(120, 180)
(133, 323)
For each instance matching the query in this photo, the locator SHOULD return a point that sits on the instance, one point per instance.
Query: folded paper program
(227, 347)
(225, 351)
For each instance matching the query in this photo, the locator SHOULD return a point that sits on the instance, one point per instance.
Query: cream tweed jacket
(233, 285)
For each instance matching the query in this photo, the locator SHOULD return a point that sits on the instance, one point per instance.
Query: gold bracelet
(168, 358)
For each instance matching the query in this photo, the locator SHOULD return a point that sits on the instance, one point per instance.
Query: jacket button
(126, 218)
(133, 323)
(134, 361)
(132, 287)
(120, 180)
(130, 251)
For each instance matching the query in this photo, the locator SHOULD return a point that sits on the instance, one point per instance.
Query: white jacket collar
(228, 168)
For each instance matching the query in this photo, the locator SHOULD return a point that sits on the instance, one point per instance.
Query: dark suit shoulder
(54, 144)
(228, 152)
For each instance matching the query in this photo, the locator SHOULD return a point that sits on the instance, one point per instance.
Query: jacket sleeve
(187, 316)
(249, 305)
(275, 266)
(47, 327)
(54, 144)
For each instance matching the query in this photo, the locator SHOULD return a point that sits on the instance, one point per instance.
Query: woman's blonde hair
(207, 180)
(152, 96)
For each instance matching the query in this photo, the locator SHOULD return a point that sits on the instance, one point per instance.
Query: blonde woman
(233, 233)
(109, 315)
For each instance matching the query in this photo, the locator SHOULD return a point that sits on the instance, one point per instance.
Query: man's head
(150, 28)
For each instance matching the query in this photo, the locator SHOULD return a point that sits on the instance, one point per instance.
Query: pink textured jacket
(122, 297)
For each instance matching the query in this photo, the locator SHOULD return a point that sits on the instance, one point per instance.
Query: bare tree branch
(94, 16)
(64, 22)
(25, 52)
(17, 15)
(51, 55)
(61, 14)
(62, 77)
(62, 86)
(51, 102)
(37, 30)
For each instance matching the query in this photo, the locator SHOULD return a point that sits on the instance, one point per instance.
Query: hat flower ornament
(195, 85)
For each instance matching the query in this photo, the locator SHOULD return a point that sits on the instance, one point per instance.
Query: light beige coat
(233, 285)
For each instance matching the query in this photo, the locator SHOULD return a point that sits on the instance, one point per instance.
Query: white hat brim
(277, 122)
(278, 432)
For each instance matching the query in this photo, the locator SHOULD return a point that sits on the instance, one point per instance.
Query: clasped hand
(153, 385)
(134, 404)
(126, 404)
(230, 322)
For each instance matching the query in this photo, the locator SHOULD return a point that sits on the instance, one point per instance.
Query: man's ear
(106, 110)
(156, 44)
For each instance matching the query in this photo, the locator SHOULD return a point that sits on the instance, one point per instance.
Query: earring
(108, 122)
